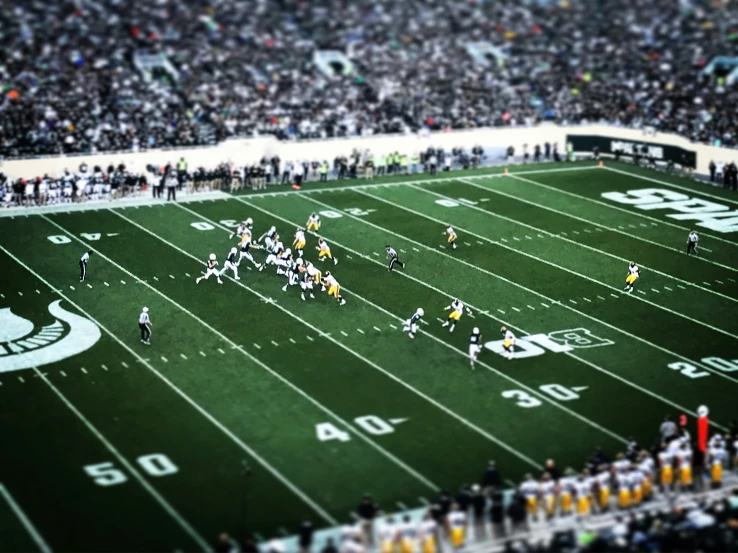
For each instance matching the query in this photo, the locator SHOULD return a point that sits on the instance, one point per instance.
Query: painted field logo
(23, 345)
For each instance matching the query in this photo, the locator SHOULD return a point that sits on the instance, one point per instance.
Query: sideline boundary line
(25, 521)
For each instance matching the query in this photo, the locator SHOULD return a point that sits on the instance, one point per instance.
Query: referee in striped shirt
(392, 255)
(83, 265)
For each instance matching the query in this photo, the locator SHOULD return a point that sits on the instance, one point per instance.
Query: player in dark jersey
(212, 269)
(411, 325)
(392, 256)
(475, 346)
(231, 262)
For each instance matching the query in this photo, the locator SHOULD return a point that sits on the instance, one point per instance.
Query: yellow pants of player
(325, 253)
(647, 487)
(667, 476)
(549, 503)
(333, 291)
(637, 495)
(583, 506)
(387, 546)
(716, 473)
(318, 277)
(685, 476)
(407, 546)
(566, 502)
(451, 238)
(630, 279)
(454, 315)
(604, 498)
(429, 545)
(457, 537)
(300, 245)
(313, 226)
(624, 499)
(531, 505)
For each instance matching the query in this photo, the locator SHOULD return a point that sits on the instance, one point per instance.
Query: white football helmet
(233, 250)
(145, 310)
(420, 311)
(287, 251)
(299, 261)
(476, 330)
(212, 257)
(272, 229)
(248, 222)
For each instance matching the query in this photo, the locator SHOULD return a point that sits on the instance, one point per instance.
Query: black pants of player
(171, 193)
(82, 270)
(145, 331)
(394, 261)
(692, 248)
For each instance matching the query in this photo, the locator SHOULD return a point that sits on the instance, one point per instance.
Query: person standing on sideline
(172, 183)
(692, 240)
(83, 265)
(181, 172)
(144, 323)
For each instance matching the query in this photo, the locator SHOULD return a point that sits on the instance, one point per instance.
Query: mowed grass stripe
(214, 434)
(644, 321)
(348, 427)
(435, 361)
(582, 261)
(479, 311)
(356, 236)
(342, 368)
(605, 243)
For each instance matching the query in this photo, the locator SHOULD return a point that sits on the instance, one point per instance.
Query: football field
(113, 445)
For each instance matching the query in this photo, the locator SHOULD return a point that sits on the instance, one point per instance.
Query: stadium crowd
(75, 76)
(642, 499)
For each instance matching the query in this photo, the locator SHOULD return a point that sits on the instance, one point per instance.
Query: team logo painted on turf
(23, 345)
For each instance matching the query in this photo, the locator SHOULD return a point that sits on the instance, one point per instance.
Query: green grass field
(120, 446)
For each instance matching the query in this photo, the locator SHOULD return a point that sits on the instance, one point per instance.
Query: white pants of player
(307, 285)
(474, 351)
(269, 244)
(282, 266)
(271, 259)
(411, 328)
(248, 256)
(293, 277)
(228, 265)
(213, 272)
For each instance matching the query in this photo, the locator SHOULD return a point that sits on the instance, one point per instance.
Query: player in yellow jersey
(313, 222)
(684, 462)
(388, 536)
(530, 490)
(457, 310)
(666, 467)
(548, 495)
(584, 496)
(566, 490)
(334, 289)
(716, 457)
(451, 233)
(428, 529)
(325, 251)
(633, 273)
(457, 527)
(299, 242)
(604, 486)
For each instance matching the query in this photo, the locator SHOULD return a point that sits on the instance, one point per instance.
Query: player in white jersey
(456, 310)
(144, 324)
(666, 467)
(270, 238)
(451, 233)
(508, 342)
(566, 491)
(388, 536)
(284, 262)
(240, 231)
(334, 289)
(583, 491)
(246, 245)
(408, 535)
(716, 458)
(310, 277)
(547, 489)
(622, 480)
(636, 485)
(212, 269)
(530, 490)
(411, 325)
(231, 263)
(313, 223)
(324, 251)
(299, 242)
(603, 482)
(427, 536)
(456, 521)
(633, 273)
(350, 532)
(684, 466)
(475, 346)
(647, 466)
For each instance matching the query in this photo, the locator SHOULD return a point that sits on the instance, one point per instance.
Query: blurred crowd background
(102, 75)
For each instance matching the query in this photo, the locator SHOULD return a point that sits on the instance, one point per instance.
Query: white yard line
(25, 521)
(179, 519)
(544, 261)
(522, 287)
(287, 483)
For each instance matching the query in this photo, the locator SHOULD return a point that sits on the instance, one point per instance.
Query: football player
(633, 273)
(334, 289)
(451, 235)
(299, 242)
(508, 342)
(411, 325)
(231, 263)
(270, 238)
(212, 265)
(392, 256)
(242, 228)
(325, 251)
(457, 310)
(475, 346)
(307, 279)
(245, 244)
(293, 274)
(284, 262)
(313, 222)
